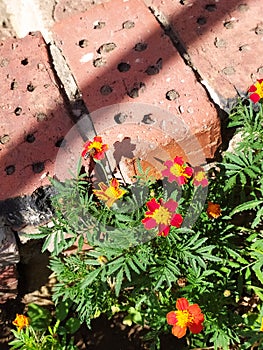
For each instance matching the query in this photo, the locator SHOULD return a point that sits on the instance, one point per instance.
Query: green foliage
(47, 332)
(127, 268)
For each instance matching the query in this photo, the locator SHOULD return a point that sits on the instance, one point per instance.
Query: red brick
(223, 38)
(31, 122)
(8, 283)
(81, 45)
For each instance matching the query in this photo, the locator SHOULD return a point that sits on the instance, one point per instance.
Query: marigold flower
(95, 149)
(213, 210)
(177, 171)
(256, 91)
(187, 316)
(162, 215)
(200, 178)
(109, 194)
(21, 321)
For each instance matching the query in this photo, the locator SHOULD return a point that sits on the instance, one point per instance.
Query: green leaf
(72, 325)
(90, 278)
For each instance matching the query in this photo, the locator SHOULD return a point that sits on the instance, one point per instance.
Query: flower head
(96, 149)
(21, 321)
(162, 215)
(109, 194)
(186, 316)
(177, 171)
(256, 91)
(213, 210)
(200, 178)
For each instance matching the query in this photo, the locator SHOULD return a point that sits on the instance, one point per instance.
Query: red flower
(162, 215)
(95, 149)
(256, 91)
(200, 178)
(177, 171)
(187, 316)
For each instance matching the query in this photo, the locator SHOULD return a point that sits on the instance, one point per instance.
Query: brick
(223, 39)
(33, 118)
(8, 283)
(119, 54)
(9, 254)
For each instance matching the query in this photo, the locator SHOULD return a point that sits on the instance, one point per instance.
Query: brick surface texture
(223, 38)
(33, 119)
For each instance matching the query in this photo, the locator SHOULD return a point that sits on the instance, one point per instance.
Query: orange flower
(187, 316)
(213, 210)
(95, 149)
(21, 321)
(256, 91)
(109, 194)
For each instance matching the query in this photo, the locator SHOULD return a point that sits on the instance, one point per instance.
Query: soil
(35, 285)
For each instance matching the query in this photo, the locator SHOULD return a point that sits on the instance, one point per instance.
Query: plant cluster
(191, 241)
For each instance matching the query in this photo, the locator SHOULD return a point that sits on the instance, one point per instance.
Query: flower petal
(171, 205)
(182, 304)
(179, 332)
(149, 223)
(153, 205)
(171, 318)
(176, 220)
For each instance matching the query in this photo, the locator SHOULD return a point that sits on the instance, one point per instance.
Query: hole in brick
(128, 25)
(24, 62)
(30, 138)
(105, 90)
(123, 67)
(229, 70)
(120, 118)
(244, 48)
(59, 142)
(147, 119)
(41, 117)
(219, 43)
(152, 70)
(134, 92)
(99, 25)
(229, 25)
(30, 87)
(210, 7)
(18, 111)
(99, 62)
(83, 43)
(259, 30)
(13, 85)
(140, 47)
(260, 70)
(242, 7)
(105, 48)
(201, 20)
(172, 95)
(10, 169)
(4, 139)
(38, 167)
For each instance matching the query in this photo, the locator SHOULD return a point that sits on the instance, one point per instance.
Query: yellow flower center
(177, 170)
(259, 87)
(162, 216)
(114, 192)
(96, 146)
(200, 176)
(184, 318)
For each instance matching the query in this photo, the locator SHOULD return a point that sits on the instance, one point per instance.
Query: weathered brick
(33, 118)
